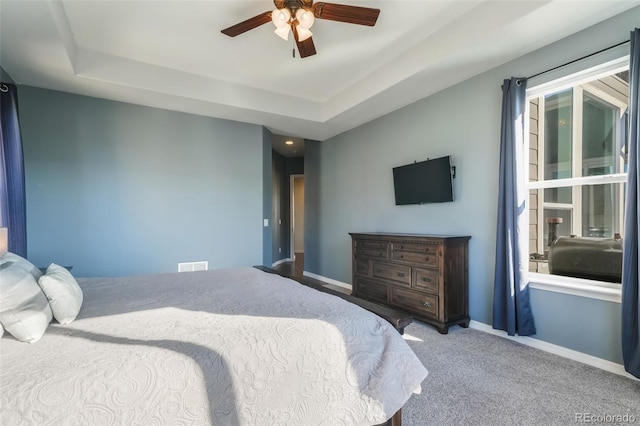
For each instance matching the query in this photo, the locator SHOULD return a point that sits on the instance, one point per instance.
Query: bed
(234, 346)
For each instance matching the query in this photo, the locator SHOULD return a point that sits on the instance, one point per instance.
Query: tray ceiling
(171, 54)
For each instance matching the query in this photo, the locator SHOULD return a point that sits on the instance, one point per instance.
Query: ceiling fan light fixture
(303, 33)
(283, 32)
(305, 18)
(281, 17)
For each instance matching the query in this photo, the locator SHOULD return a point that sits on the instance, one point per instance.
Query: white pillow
(22, 262)
(24, 309)
(63, 292)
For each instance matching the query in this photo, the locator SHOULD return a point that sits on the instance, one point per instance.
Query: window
(578, 130)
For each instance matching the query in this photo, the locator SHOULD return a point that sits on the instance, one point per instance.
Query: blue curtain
(630, 257)
(511, 307)
(13, 210)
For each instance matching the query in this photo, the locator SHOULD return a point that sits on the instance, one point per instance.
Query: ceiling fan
(298, 16)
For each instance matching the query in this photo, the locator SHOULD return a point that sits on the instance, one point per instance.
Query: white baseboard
(591, 360)
(328, 280)
(280, 261)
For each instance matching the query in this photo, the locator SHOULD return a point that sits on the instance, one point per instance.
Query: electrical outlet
(280, 250)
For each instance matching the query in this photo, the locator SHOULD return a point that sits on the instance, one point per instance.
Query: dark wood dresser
(426, 275)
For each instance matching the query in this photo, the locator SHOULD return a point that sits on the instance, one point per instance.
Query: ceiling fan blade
(247, 25)
(345, 13)
(305, 48)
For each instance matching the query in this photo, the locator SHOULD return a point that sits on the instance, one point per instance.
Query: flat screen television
(424, 182)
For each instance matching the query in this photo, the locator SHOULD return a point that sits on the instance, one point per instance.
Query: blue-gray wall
(352, 174)
(312, 194)
(267, 236)
(117, 189)
(5, 77)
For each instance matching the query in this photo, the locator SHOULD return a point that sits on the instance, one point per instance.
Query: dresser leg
(443, 330)
(396, 420)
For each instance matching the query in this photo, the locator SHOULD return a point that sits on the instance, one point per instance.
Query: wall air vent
(193, 266)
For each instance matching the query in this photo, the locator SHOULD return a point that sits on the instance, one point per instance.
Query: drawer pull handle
(426, 259)
(426, 304)
(402, 256)
(380, 254)
(426, 280)
(401, 274)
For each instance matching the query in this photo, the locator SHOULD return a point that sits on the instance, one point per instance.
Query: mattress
(225, 347)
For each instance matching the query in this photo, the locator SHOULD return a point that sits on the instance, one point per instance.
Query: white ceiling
(171, 54)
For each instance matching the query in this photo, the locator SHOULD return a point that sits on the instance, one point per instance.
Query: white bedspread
(224, 347)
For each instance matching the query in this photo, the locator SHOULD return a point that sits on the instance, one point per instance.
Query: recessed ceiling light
(289, 142)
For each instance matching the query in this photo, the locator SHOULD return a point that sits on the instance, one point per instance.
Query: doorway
(297, 222)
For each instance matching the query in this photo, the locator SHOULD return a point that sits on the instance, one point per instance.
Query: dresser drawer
(378, 253)
(363, 267)
(418, 248)
(424, 304)
(371, 290)
(425, 279)
(373, 244)
(430, 259)
(400, 274)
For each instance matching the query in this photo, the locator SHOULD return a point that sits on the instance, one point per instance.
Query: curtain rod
(579, 59)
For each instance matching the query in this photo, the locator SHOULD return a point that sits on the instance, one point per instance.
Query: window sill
(576, 287)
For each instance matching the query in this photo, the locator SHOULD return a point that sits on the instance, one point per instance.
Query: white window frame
(556, 283)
